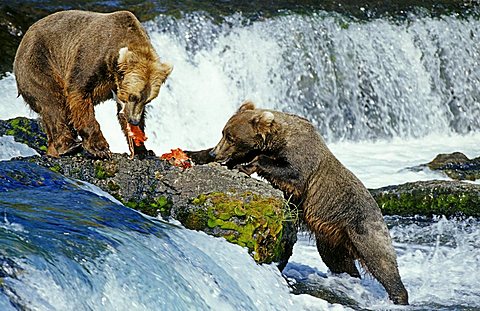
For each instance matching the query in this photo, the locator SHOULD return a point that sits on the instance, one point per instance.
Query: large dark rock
(209, 198)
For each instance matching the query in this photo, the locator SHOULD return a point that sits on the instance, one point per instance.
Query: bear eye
(229, 138)
(133, 98)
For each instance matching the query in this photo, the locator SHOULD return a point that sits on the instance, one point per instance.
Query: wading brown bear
(70, 61)
(287, 151)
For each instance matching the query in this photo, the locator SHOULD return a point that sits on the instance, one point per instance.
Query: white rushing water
(353, 80)
(385, 95)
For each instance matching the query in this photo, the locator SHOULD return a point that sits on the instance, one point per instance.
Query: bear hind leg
(42, 90)
(52, 110)
(337, 258)
(60, 133)
(377, 254)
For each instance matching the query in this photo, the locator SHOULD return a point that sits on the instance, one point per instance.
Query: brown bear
(288, 152)
(70, 61)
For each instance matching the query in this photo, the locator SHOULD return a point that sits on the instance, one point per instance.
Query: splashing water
(386, 95)
(352, 80)
(83, 252)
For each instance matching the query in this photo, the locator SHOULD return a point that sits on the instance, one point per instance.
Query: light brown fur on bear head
(140, 75)
(244, 134)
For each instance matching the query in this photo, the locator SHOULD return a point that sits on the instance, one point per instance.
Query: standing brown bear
(287, 151)
(70, 61)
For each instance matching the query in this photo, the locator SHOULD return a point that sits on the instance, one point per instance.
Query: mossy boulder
(243, 210)
(208, 198)
(428, 198)
(248, 219)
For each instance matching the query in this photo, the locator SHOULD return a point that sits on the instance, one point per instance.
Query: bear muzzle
(221, 152)
(133, 112)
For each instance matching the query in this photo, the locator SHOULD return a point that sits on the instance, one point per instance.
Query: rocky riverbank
(428, 198)
(227, 203)
(209, 198)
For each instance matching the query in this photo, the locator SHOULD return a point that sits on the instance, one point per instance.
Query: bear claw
(100, 154)
(77, 147)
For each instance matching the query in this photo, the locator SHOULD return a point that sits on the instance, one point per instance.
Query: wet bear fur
(70, 61)
(287, 151)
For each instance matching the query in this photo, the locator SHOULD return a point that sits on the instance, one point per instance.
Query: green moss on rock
(153, 207)
(428, 201)
(112, 186)
(246, 219)
(105, 169)
(56, 168)
(26, 131)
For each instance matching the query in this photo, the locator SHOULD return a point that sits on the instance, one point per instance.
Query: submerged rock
(319, 290)
(26, 131)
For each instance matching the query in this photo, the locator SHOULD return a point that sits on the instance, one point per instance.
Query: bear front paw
(99, 149)
(248, 169)
(142, 152)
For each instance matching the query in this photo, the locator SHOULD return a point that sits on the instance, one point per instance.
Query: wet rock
(428, 198)
(445, 159)
(210, 198)
(456, 166)
(319, 290)
(25, 131)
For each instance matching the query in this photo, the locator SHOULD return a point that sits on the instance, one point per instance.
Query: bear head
(245, 135)
(140, 75)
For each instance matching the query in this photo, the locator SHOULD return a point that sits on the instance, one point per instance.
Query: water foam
(354, 80)
(9, 148)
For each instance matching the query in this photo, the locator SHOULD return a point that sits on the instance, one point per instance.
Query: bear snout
(222, 151)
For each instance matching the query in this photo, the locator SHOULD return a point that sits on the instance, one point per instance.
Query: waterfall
(407, 83)
(355, 80)
(85, 252)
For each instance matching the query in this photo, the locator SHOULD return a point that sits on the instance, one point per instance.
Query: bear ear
(246, 105)
(122, 55)
(166, 69)
(161, 73)
(263, 123)
(266, 118)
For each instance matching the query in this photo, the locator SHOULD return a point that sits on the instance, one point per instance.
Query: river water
(385, 94)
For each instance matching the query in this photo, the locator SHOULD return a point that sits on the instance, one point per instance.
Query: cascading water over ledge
(355, 80)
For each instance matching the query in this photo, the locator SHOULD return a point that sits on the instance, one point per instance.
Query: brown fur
(287, 151)
(70, 61)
